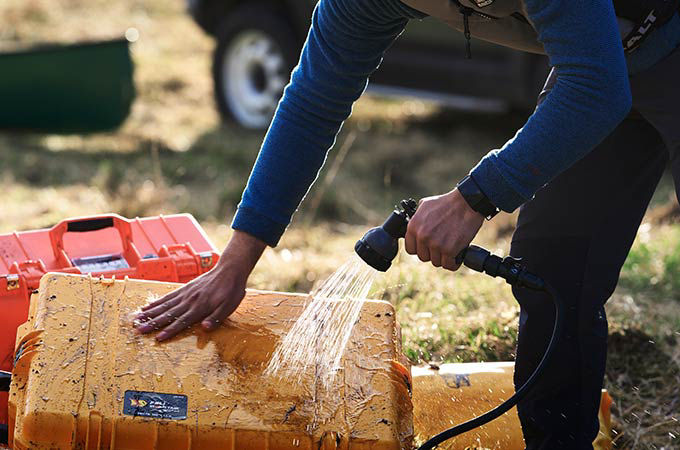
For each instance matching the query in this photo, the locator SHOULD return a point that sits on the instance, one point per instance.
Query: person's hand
(441, 228)
(208, 299)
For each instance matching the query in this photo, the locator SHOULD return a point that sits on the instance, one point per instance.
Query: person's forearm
(242, 253)
(589, 99)
(344, 46)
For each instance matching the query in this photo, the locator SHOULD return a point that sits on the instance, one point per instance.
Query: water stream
(317, 340)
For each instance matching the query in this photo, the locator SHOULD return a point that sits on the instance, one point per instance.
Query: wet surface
(318, 339)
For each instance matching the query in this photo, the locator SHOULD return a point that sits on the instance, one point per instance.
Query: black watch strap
(474, 197)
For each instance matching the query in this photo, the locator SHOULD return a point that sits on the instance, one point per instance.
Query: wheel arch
(210, 14)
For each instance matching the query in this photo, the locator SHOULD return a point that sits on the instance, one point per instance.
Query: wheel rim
(253, 75)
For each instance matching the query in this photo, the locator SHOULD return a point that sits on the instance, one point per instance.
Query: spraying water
(318, 338)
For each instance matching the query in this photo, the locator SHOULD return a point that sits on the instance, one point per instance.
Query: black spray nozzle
(380, 246)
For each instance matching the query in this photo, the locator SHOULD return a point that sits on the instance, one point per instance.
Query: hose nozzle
(380, 245)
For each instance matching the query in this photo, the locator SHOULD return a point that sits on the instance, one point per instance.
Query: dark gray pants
(576, 233)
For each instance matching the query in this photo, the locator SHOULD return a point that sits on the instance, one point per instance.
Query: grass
(654, 264)
(173, 155)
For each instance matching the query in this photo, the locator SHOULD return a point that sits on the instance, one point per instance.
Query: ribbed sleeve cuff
(497, 189)
(262, 227)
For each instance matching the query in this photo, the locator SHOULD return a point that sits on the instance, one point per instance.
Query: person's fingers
(435, 257)
(217, 317)
(158, 310)
(449, 262)
(164, 319)
(423, 251)
(410, 243)
(165, 298)
(180, 324)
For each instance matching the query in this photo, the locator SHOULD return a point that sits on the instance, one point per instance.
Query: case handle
(89, 225)
(5, 380)
(83, 225)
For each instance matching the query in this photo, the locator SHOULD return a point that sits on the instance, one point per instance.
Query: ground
(173, 155)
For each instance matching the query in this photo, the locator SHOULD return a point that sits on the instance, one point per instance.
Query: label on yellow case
(155, 405)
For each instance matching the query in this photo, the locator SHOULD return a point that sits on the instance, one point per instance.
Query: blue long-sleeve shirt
(345, 44)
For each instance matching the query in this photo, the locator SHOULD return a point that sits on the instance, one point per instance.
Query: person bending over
(582, 171)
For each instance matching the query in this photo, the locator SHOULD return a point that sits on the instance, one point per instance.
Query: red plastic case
(165, 248)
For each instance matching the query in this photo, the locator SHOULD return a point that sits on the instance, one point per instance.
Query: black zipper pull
(465, 11)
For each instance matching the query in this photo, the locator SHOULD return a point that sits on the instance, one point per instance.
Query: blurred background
(159, 106)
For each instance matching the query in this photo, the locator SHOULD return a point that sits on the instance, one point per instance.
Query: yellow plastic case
(83, 379)
(450, 394)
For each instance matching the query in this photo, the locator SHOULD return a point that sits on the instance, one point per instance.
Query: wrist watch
(474, 197)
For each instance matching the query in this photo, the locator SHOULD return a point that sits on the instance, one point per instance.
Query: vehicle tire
(255, 53)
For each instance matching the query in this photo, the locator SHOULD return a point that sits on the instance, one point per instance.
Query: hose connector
(508, 268)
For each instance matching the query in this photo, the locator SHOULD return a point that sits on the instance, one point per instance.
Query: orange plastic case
(165, 248)
(84, 379)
